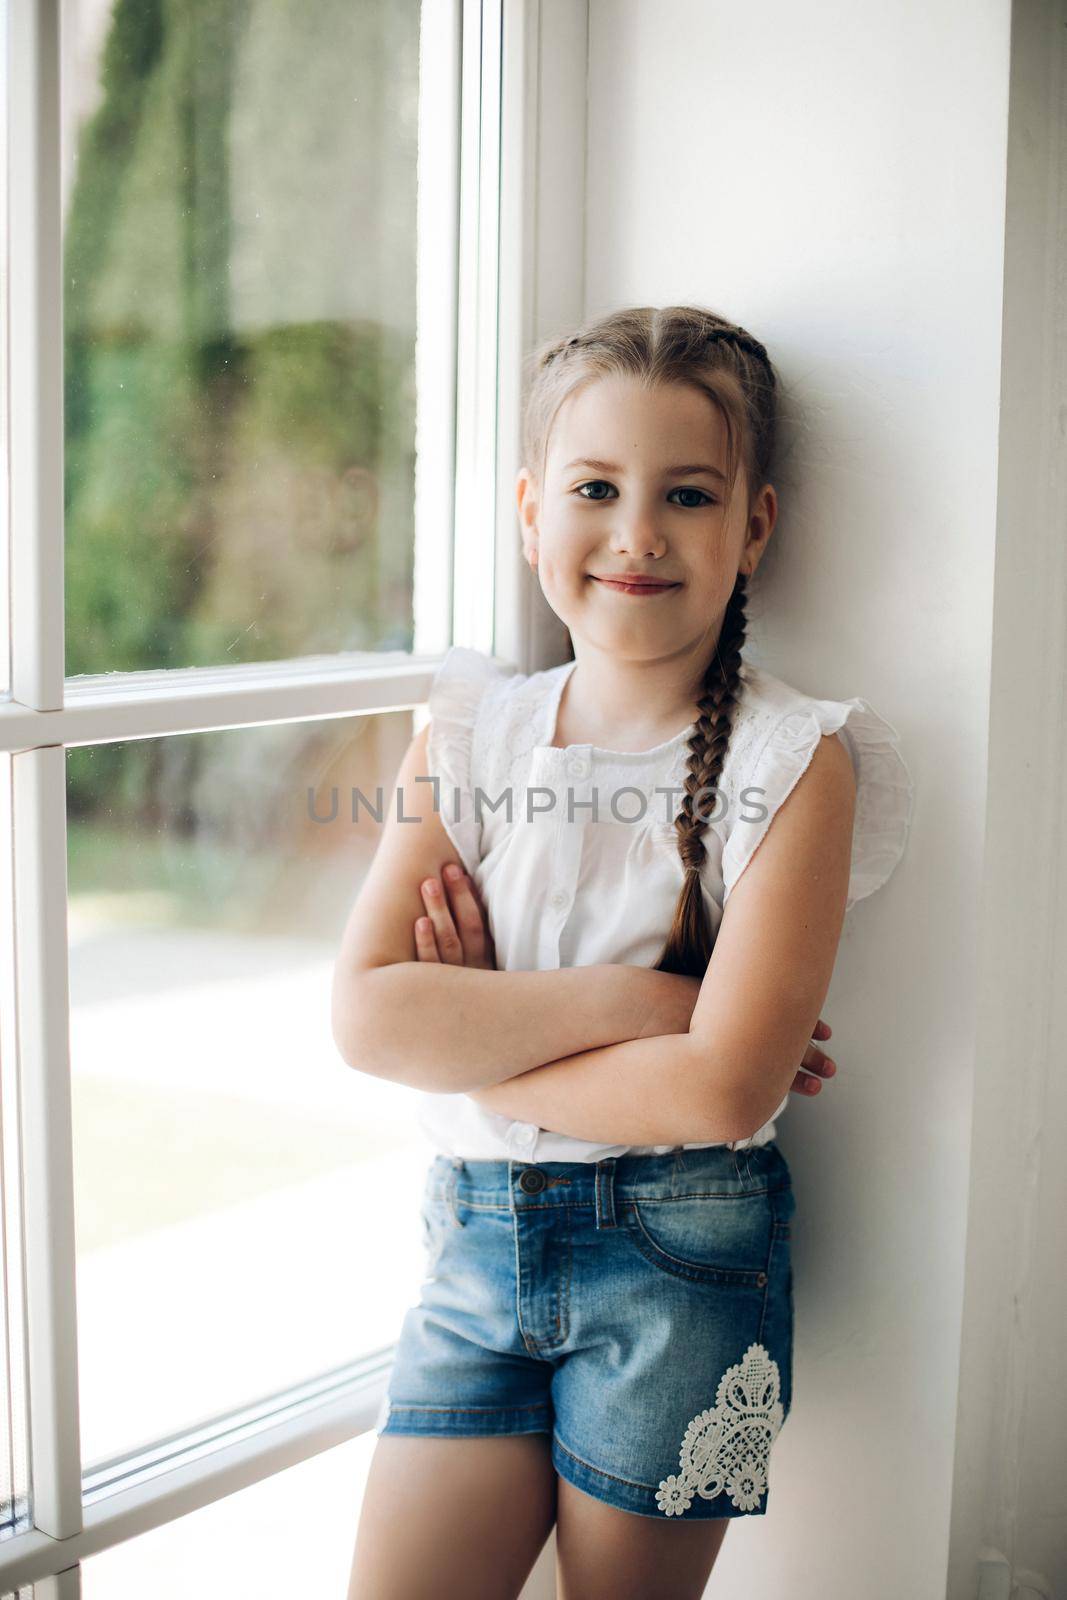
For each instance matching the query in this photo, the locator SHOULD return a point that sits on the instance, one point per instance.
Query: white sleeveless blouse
(585, 869)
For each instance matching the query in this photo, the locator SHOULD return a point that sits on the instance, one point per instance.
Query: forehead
(640, 426)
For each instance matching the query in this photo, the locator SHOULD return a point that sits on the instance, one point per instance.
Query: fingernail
(452, 871)
(430, 886)
(829, 1069)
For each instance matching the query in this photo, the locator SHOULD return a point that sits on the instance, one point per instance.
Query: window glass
(5, 382)
(246, 1204)
(239, 203)
(254, 1542)
(14, 1399)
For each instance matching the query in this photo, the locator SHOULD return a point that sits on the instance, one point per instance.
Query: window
(249, 453)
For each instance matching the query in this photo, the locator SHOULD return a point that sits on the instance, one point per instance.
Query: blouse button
(577, 767)
(559, 899)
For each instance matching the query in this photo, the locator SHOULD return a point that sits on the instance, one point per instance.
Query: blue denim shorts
(638, 1309)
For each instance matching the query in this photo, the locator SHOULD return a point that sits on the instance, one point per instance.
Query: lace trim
(727, 1448)
(456, 694)
(884, 789)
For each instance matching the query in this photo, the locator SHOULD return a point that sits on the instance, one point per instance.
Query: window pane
(5, 279)
(239, 304)
(14, 1400)
(291, 1534)
(246, 1204)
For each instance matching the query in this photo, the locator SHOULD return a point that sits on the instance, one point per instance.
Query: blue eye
(601, 483)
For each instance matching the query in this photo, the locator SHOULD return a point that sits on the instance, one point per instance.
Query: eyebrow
(669, 472)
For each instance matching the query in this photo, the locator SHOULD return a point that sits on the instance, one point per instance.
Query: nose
(636, 535)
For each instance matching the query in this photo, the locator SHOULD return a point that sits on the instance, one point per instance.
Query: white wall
(833, 177)
(1010, 1492)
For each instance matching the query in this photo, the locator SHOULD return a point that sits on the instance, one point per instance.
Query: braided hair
(691, 345)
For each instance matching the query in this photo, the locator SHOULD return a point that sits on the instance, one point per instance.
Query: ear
(761, 521)
(525, 493)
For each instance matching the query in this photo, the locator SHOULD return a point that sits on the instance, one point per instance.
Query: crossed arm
(611, 1053)
(619, 1093)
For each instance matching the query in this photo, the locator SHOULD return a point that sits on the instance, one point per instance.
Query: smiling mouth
(635, 585)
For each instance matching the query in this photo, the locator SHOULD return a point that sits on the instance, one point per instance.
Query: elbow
(732, 1108)
(752, 1110)
(745, 1120)
(350, 1019)
(734, 1120)
(370, 1014)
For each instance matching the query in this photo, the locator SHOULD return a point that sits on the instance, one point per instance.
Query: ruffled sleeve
(884, 789)
(455, 697)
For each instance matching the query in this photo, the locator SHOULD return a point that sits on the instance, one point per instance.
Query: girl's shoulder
(778, 727)
(485, 714)
(463, 677)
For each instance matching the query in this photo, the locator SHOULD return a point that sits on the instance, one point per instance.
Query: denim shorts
(638, 1309)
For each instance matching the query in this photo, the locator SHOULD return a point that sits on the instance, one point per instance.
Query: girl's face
(634, 484)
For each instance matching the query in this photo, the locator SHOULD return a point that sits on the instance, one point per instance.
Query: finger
(444, 929)
(813, 1060)
(804, 1083)
(455, 877)
(467, 914)
(822, 1030)
(425, 943)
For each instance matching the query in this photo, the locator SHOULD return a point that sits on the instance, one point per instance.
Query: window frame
(507, 195)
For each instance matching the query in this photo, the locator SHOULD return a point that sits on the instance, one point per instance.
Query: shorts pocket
(715, 1239)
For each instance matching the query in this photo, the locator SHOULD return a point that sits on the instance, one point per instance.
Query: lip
(636, 585)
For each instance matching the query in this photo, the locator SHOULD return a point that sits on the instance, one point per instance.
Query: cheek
(562, 567)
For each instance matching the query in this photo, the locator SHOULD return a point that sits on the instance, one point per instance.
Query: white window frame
(509, 76)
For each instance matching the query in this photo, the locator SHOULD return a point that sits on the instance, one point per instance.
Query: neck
(606, 696)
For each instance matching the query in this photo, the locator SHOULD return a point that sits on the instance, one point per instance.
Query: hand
(456, 929)
(813, 1061)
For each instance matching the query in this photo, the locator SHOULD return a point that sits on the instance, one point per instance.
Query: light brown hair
(677, 344)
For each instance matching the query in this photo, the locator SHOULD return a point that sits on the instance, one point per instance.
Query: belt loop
(605, 1193)
(451, 1186)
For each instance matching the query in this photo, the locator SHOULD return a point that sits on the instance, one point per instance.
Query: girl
(604, 1002)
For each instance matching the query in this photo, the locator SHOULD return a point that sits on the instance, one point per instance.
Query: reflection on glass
(246, 1204)
(239, 303)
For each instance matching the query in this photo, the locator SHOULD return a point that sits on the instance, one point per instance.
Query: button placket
(522, 1139)
(568, 773)
(577, 798)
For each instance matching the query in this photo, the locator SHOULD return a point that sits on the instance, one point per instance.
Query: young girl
(604, 1002)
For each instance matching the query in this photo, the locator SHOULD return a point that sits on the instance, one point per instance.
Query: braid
(557, 350)
(744, 341)
(689, 944)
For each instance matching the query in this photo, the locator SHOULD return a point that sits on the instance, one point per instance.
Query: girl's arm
(758, 1003)
(450, 1027)
(640, 1092)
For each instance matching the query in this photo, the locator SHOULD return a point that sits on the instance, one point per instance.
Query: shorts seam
(466, 1411)
(630, 1483)
(589, 1205)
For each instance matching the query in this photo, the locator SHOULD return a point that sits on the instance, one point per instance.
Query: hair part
(691, 345)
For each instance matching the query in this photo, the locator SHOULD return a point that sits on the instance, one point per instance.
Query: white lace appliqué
(728, 1447)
